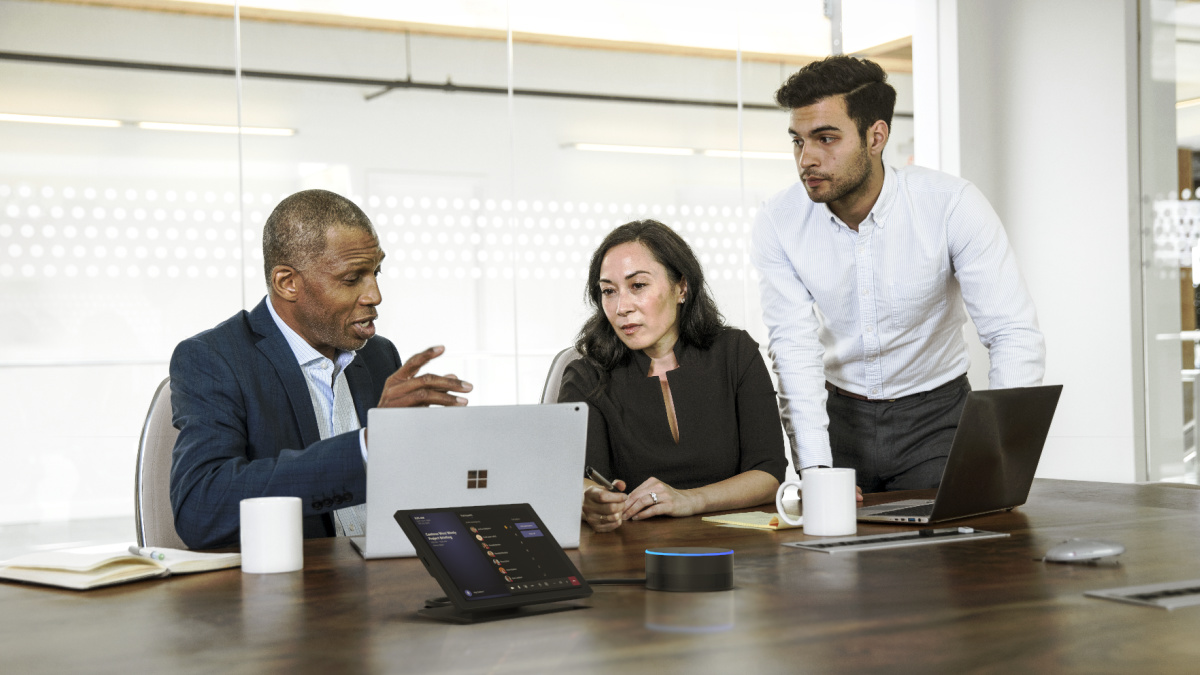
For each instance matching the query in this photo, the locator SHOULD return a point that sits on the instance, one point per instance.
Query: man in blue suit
(273, 402)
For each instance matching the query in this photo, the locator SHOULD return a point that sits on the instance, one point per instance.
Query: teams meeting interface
(494, 554)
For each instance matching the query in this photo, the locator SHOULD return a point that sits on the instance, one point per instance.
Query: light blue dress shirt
(320, 373)
(879, 312)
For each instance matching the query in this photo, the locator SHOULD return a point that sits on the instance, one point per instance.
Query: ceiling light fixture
(749, 154)
(46, 119)
(157, 126)
(1187, 103)
(216, 129)
(635, 149)
(660, 150)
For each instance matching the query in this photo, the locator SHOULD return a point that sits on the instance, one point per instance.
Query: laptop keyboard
(919, 510)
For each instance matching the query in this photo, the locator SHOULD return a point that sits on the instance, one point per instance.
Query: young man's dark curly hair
(864, 84)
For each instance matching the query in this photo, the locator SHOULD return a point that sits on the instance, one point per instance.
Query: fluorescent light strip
(658, 150)
(160, 126)
(1187, 103)
(216, 129)
(636, 149)
(749, 154)
(72, 121)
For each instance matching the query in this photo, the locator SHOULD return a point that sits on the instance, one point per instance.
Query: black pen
(595, 476)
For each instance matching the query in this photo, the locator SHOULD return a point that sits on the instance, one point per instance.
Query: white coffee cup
(272, 535)
(829, 502)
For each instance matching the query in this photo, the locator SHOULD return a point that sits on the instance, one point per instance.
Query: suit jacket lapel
(358, 378)
(275, 347)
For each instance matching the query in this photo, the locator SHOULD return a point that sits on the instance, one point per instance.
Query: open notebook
(81, 571)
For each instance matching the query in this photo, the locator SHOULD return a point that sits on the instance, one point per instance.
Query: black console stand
(439, 610)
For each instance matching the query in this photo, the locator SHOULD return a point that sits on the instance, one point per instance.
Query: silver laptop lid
(995, 451)
(421, 458)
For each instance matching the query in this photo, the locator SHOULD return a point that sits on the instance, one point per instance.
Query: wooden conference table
(972, 606)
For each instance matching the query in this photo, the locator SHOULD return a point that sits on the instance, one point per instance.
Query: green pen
(147, 553)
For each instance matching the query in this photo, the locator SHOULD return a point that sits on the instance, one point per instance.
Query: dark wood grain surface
(975, 606)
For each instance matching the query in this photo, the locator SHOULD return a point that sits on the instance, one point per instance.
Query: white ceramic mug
(272, 535)
(829, 502)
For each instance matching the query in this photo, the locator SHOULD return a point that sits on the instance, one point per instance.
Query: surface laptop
(428, 458)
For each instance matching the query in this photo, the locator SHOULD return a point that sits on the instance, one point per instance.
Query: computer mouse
(1083, 550)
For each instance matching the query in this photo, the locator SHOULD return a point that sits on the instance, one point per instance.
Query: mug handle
(783, 515)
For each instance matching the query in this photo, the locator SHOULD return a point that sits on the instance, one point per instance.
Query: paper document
(758, 520)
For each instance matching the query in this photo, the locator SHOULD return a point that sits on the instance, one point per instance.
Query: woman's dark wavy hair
(699, 319)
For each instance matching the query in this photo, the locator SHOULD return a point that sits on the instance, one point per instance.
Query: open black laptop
(992, 460)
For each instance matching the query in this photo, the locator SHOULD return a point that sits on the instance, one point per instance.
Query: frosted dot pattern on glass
(1176, 230)
(442, 238)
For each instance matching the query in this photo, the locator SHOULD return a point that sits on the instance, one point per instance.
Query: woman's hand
(602, 508)
(656, 498)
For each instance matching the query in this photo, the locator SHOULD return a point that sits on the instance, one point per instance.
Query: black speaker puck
(689, 568)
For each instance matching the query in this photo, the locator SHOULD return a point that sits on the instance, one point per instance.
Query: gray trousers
(900, 444)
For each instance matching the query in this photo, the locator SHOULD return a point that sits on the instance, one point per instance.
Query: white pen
(147, 553)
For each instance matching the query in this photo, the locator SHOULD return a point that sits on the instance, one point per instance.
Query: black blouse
(725, 407)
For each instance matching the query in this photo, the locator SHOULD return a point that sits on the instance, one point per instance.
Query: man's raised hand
(406, 389)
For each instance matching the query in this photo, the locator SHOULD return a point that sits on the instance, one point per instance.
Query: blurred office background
(494, 143)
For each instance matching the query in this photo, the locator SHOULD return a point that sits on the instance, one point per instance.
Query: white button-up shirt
(879, 311)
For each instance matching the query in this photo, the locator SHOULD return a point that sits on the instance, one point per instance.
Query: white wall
(1047, 126)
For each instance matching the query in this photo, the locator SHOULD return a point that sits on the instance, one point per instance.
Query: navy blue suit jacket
(247, 429)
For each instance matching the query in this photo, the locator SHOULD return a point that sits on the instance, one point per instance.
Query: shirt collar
(887, 198)
(883, 204)
(304, 352)
(834, 221)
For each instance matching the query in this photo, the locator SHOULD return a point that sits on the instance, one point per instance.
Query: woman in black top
(681, 406)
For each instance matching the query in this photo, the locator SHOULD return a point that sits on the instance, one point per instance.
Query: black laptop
(992, 460)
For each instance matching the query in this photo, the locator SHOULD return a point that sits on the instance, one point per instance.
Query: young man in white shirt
(864, 273)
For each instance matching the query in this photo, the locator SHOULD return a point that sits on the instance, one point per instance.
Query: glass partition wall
(492, 159)
(117, 239)
(1170, 174)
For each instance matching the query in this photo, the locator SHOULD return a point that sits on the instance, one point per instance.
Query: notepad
(757, 520)
(82, 571)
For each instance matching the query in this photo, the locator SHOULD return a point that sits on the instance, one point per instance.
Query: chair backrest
(152, 482)
(554, 377)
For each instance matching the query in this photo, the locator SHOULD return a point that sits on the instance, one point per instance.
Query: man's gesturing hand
(406, 389)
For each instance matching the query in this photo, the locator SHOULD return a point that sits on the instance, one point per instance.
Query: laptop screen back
(996, 450)
(475, 455)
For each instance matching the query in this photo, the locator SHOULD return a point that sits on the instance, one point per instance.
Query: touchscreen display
(495, 552)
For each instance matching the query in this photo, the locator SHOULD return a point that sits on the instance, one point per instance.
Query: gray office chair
(554, 377)
(152, 483)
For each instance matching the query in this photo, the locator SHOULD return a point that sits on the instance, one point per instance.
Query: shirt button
(875, 390)
(865, 291)
(870, 359)
(870, 329)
